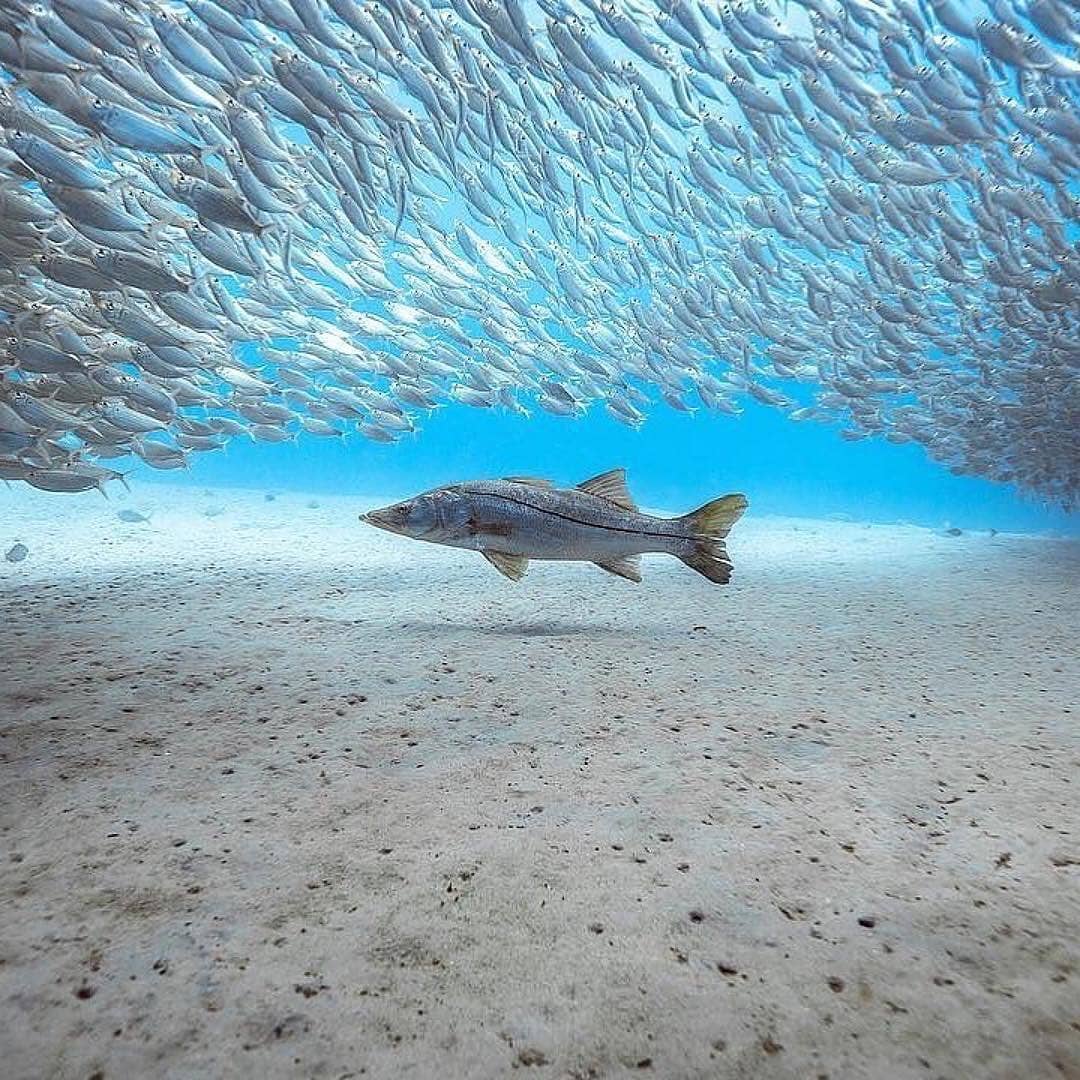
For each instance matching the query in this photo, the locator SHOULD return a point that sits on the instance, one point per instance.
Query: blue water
(675, 461)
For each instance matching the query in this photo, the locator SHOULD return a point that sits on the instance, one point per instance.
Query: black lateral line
(591, 524)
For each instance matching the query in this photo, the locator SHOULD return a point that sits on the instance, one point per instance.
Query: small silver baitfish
(518, 518)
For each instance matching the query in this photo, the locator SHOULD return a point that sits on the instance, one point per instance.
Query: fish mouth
(389, 518)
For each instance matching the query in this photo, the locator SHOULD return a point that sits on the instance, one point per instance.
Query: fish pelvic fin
(708, 526)
(511, 566)
(625, 566)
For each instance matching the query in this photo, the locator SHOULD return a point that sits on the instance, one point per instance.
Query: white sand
(281, 795)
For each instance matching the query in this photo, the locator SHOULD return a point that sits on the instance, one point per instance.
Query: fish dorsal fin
(627, 566)
(530, 481)
(511, 566)
(611, 486)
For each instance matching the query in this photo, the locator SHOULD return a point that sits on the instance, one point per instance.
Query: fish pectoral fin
(627, 566)
(490, 528)
(610, 485)
(511, 566)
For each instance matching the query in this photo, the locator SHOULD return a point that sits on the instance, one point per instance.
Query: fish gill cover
(276, 217)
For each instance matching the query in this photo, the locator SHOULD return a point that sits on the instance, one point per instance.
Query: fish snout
(392, 518)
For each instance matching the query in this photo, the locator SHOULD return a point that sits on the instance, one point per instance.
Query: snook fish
(513, 520)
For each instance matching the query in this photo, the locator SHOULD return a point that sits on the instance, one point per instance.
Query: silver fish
(480, 200)
(513, 520)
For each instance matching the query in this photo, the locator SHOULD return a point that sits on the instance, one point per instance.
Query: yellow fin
(511, 566)
(627, 566)
(610, 485)
(710, 558)
(708, 525)
(715, 518)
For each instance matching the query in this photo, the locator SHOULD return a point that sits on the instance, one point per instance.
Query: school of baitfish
(274, 217)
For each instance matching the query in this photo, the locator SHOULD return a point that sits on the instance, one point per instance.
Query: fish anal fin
(511, 566)
(627, 566)
(530, 481)
(610, 485)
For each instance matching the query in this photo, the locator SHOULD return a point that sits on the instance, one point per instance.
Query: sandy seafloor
(281, 795)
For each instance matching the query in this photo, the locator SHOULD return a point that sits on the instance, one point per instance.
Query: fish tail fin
(708, 526)
(714, 520)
